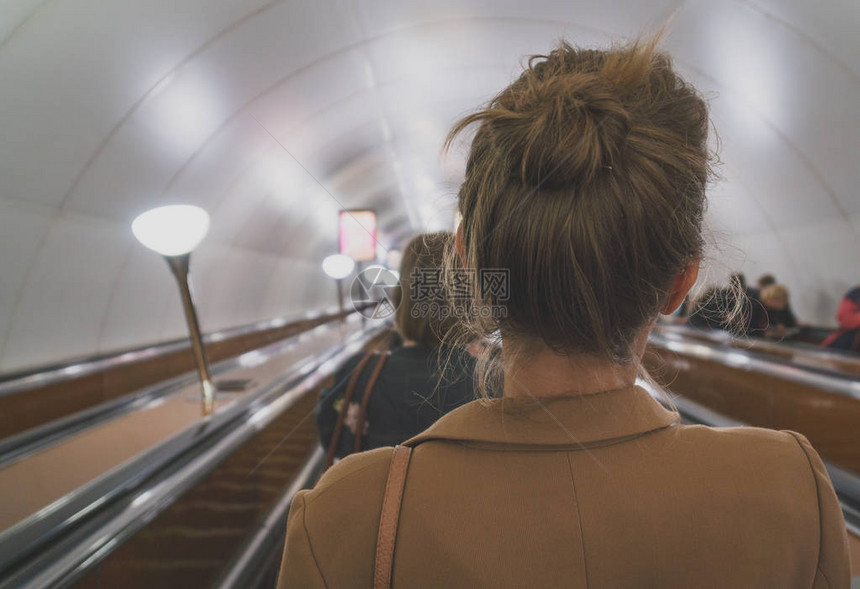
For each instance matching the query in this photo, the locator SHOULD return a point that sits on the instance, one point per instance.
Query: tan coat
(603, 490)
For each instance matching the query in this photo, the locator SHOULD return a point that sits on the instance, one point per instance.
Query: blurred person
(780, 319)
(758, 319)
(764, 281)
(847, 337)
(708, 309)
(406, 388)
(585, 185)
(739, 305)
(734, 308)
(751, 317)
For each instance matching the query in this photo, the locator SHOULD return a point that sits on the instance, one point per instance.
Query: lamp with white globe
(174, 231)
(338, 266)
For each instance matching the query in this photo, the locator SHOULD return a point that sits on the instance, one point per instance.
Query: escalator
(207, 506)
(791, 351)
(190, 509)
(44, 405)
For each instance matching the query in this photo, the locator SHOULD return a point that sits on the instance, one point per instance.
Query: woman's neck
(543, 373)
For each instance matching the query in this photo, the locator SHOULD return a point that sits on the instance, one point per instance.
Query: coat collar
(574, 421)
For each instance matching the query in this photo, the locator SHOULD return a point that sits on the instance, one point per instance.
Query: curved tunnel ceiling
(274, 115)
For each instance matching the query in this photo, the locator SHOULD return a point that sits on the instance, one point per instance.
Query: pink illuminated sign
(358, 235)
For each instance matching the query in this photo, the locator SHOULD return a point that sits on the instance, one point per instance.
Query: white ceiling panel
(74, 70)
(618, 17)
(74, 269)
(138, 300)
(15, 15)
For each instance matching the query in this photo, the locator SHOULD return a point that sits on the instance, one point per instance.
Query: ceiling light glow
(173, 230)
(338, 266)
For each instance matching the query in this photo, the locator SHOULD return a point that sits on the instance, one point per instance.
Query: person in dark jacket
(735, 308)
(747, 313)
(422, 379)
(707, 310)
(744, 314)
(848, 317)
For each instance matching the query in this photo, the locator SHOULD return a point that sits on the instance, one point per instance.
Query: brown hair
(586, 182)
(766, 280)
(424, 319)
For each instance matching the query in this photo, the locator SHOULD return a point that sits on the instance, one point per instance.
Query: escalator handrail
(824, 380)
(19, 446)
(140, 489)
(753, 344)
(18, 382)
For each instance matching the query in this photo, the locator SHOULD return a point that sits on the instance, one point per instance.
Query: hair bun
(575, 128)
(562, 121)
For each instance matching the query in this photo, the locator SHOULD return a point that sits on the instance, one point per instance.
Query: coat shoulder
(773, 466)
(743, 444)
(361, 473)
(755, 439)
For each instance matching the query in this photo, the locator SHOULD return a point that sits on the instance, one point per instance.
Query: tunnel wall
(274, 115)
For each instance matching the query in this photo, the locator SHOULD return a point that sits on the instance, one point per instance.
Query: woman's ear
(458, 243)
(684, 281)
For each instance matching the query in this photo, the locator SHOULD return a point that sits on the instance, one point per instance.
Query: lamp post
(338, 266)
(174, 231)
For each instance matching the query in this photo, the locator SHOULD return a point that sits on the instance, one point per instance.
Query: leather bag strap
(390, 516)
(350, 390)
(368, 390)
